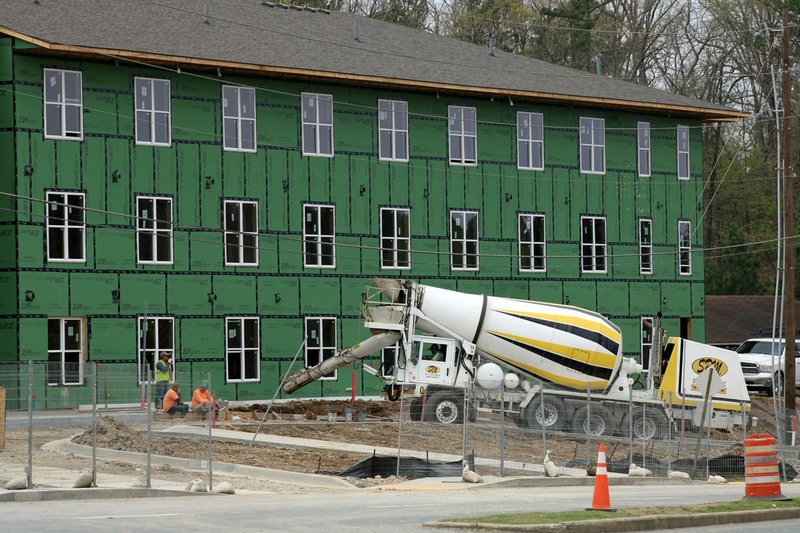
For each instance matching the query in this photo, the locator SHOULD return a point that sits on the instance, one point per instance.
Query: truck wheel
(652, 424)
(777, 388)
(550, 413)
(416, 409)
(596, 421)
(444, 408)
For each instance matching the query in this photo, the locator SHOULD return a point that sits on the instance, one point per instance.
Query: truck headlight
(765, 367)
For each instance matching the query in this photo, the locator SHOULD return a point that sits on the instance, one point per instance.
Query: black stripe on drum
(587, 334)
(578, 366)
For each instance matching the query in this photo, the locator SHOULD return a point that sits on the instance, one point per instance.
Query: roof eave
(704, 113)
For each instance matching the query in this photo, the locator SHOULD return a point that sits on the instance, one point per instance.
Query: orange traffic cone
(601, 501)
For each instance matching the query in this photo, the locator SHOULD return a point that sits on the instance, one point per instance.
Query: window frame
(142, 349)
(393, 130)
(316, 124)
(593, 246)
(242, 351)
(319, 236)
(64, 135)
(645, 248)
(61, 351)
(154, 231)
(643, 148)
(239, 234)
(239, 119)
(685, 266)
(66, 226)
(683, 153)
(645, 348)
(594, 124)
(321, 348)
(464, 241)
(533, 243)
(462, 136)
(530, 142)
(389, 357)
(395, 239)
(152, 111)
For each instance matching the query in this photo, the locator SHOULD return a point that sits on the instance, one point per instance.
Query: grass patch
(574, 516)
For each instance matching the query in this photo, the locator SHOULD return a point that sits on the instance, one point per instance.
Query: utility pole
(788, 224)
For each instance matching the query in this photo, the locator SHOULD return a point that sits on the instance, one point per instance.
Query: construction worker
(163, 377)
(201, 399)
(172, 401)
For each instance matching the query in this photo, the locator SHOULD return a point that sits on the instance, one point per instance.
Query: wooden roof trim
(709, 115)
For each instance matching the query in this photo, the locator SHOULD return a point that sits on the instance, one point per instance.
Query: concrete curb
(197, 465)
(96, 493)
(642, 523)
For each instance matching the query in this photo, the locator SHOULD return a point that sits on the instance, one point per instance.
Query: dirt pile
(114, 435)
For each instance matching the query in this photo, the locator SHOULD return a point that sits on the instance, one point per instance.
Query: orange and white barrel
(762, 479)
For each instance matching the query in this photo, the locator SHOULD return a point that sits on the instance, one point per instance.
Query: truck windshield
(763, 347)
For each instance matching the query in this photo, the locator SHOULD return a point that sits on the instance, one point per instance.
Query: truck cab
(758, 366)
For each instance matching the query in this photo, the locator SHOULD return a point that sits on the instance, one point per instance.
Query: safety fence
(499, 433)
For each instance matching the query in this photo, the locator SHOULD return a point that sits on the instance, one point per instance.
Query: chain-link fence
(505, 432)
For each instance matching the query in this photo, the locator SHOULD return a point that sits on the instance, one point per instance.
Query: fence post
(210, 446)
(644, 434)
(30, 425)
(94, 424)
(149, 431)
(399, 433)
(588, 426)
(464, 421)
(544, 430)
(502, 427)
(630, 422)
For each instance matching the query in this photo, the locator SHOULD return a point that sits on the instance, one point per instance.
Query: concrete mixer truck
(448, 342)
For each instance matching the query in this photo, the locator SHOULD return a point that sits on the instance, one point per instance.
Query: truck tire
(416, 409)
(776, 388)
(652, 424)
(550, 413)
(596, 421)
(444, 408)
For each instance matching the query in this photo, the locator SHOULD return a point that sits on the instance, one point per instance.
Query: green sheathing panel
(110, 290)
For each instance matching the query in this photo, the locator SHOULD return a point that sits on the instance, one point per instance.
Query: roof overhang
(703, 113)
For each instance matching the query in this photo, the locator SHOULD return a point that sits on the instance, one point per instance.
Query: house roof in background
(292, 41)
(733, 319)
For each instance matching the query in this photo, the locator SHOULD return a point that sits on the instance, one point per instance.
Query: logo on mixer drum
(698, 365)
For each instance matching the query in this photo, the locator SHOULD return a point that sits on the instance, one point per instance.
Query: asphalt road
(356, 511)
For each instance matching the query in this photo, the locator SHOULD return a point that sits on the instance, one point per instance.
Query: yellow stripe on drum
(600, 359)
(597, 326)
(580, 384)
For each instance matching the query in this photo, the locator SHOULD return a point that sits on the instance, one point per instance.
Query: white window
(66, 227)
(319, 236)
(645, 246)
(65, 351)
(63, 104)
(462, 135)
(643, 148)
(683, 152)
(593, 145)
(156, 335)
(242, 362)
(531, 243)
(320, 342)
(239, 118)
(684, 248)
(317, 124)
(393, 130)
(153, 230)
(464, 240)
(530, 141)
(647, 341)
(241, 233)
(395, 238)
(593, 244)
(152, 100)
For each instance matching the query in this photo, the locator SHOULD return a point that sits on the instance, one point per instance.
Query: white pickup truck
(760, 367)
